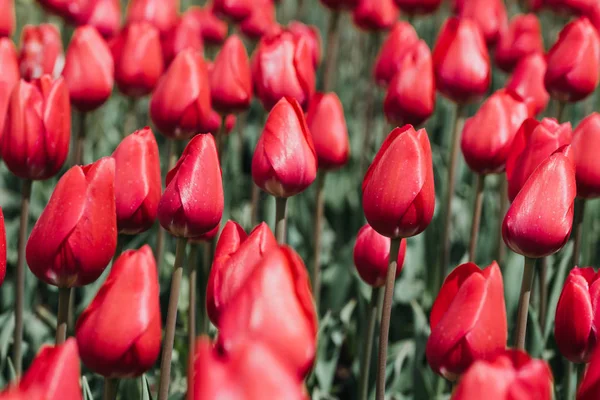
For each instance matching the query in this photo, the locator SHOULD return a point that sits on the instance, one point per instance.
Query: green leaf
(146, 393)
(87, 392)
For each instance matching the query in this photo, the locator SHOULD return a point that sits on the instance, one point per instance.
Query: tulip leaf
(146, 393)
(87, 392)
(12, 374)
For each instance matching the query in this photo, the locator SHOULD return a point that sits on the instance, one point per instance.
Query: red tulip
(461, 61)
(372, 256)
(527, 80)
(327, 125)
(283, 66)
(538, 224)
(37, 128)
(340, 4)
(212, 30)
(589, 389)
(574, 62)
(275, 307)
(9, 77)
(89, 69)
(586, 145)
(230, 121)
(523, 37)
(207, 237)
(71, 10)
(76, 236)
(500, 117)
(570, 6)
(105, 16)
(212, 124)
(192, 203)
(252, 372)
(413, 7)
(7, 18)
(534, 142)
(509, 375)
(2, 248)
(41, 51)
(160, 13)
(401, 39)
(313, 38)
(575, 328)
(185, 34)
(488, 15)
(123, 341)
(468, 320)
(138, 184)
(398, 192)
(138, 59)
(410, 98)
(261, 22)
(231, 80)
(372, 15)
(236, 10)
(181, 101)
(236, 257)
(284, 161)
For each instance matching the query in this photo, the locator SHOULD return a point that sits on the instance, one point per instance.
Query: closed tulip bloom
(523, 37)
(76, 236)
(9, 77)
(212, 124)
(536, 224)
(589, 389)
(372, 256)
(236, 257)
(89, 69)
(181, 100)
(41, 51)
(37, 128)
(124, 341)
(586, 147)
(70, 10)
(468, 320)
(283, 66)
(284, 161)
(160, 13)
(231, 79)
(570, 6)
(261, 21)
(138, 59)
(534, 142)
(7, 18)
(488, 15)
(398, 191)
(509, 375)
(339, 4)
(192, 203)
(212, 30)
(105, 16)
(253, 315)
(372, 15)
(410, 98)
(185, 34)
(2, 248)
(487, 137)
(413, 7)
(527, 80)
(311, 33)
(206, 237)
(327, 125)
(236, 10)
(401, 39)
(137, 182)
(574, 62)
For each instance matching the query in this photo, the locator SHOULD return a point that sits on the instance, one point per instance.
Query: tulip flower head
(105, 16)
(589, 389)
(236, 10)
(313, 38)
(160, 13)
(9, 77)
(7, 18)
(488, 15)
(523, 37)
(414, 7)
(41, 52)
(340, 4)
(371, 15)
(398, 43)
(586, 144)
(2, 248)
(261, 21)
(527, 80)
(185, 34)
(212, 30)
(468, 320)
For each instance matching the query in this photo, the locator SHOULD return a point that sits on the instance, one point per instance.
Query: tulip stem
(526, 283)
(543, 288)
(386, 313)
(476, 216)
(119, 249)
(80, 140)
(280, 218)
(320, 205)
(206, 257)
(111, 386)
(192, 262)
(332, 49)
(64, 296)
(130, 124)
(169, 339)
(254, 204)
(221, 138)
(365, 363)
(500, 247)
(578, 228)
(20, 276)
(560, 110)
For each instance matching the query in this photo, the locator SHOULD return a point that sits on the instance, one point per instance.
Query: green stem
(332, 49)
(543, 291)
(318, 227)
(111, 386)
(206, 264)
(560, 110)
(578, 228)
(526, 283)
(500, 246)
(280, 218)
(80, 140)
(64, 295)
(192, 262)
(365, 363)
(476, 216)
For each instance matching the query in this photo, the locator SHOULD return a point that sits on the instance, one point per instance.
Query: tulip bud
(404, 208)
(460, 337)
(410, 98)
(534, 142)
(261, 21)
(414, 7)
(253, 314)
(89, 69)
(461, 61)
(160, 13)
(284, 162)
(181, 100)
(282, 66)
(192, 203)
(313, 38)
(236, 257)
(523, 37)
(132, 348)
(7, 18)
(589, 389)
(71, 10)
(500, 117)
(527, 80)
(508, 375)
(212, 30)
(536, 224)
(371, 15)
(76, 236)
(105, 16)
(340, 4)
(9, 77)
(138, 183)
(488, 15)
(37, 128)
(372, 256)
(236, 10)
(138, 59)
(231, 80)
(2, 248)
(41, 52)
(185, 34)
(574, 62)
(586, 145)
(570, 6)
(399, 42)
(327, 125)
